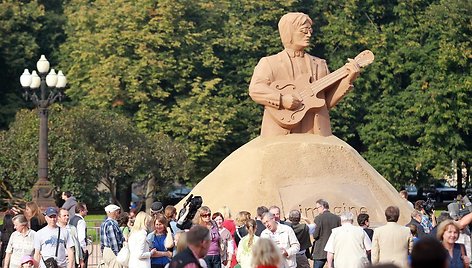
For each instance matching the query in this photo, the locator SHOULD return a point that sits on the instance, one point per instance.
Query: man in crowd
(404, 196)
(156, 208)
(363, 221)
(69, 203)
(198, 243)
(79, 222)
(63, 222)
(302, 232)
(392, 242)
(416, 218)
(425, 220)
(325, 222)
(284, 237)
(111, 237)
(259, 225)
(52, 239)
(275, 210)
(347, 245)
(429, 253)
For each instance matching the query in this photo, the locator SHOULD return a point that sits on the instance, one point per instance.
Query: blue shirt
(111, 236)
(157, 242)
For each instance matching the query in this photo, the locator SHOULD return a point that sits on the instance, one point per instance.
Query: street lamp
(51, 88)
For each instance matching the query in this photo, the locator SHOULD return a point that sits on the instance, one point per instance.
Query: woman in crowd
(21, 243)
(203, 217)
(6, 232)
(157, 239)
(139, 253)
(35, 217)
(265, 254)
(228, 222)
(171, 213)
(124, 223)
(244, 255)
(448, 233)
(241, 230)
(226, 240)
(180, 242)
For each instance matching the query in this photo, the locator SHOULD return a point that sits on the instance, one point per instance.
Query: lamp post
(51, 88)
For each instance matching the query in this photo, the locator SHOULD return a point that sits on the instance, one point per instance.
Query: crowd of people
(154, 240)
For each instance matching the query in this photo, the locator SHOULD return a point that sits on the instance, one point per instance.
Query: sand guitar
(307, 91)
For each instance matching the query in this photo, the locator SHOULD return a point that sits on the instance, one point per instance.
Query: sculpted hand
(353, 68)
(290, 102)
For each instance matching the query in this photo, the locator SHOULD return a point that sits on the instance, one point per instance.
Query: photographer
(428, 219)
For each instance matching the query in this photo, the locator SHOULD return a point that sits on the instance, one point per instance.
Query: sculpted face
(301, 36)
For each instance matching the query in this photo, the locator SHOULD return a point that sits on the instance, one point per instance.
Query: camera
(187, 213)
(429, 204)
(460, 208)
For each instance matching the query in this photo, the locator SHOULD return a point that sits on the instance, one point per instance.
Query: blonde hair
(443, 227)
(226, 212)
(181, 238)
(141, 222)
(242, 218)
(35, 212)
(198, 219)
(289, 23)
(266, 253)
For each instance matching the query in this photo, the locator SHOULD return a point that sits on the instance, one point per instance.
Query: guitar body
(290, 118)
(307, 92)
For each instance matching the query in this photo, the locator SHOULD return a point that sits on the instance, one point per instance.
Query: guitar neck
(328, 80)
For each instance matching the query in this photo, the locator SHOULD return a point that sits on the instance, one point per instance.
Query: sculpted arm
(339, 90)
(261, 92)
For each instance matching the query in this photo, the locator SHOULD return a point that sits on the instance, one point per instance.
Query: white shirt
(81, 226)
(285, 238)
(349, 244)
(46, 240)
(20, 245)
(139, 254)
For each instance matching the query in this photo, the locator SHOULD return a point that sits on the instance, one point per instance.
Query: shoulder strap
(58, 239)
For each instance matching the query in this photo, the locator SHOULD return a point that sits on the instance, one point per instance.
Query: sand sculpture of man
(291, 64)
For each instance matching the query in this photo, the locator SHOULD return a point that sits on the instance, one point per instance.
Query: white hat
(111, 208)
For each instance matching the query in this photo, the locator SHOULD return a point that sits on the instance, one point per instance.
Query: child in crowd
(27, 262)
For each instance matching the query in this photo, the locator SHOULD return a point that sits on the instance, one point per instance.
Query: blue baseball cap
(50, 211)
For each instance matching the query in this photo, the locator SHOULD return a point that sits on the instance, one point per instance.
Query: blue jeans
(319, 263)
(213, 261)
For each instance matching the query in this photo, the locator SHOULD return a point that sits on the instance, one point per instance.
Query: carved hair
(289, 23)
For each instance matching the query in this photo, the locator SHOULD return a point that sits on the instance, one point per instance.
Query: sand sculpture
(297, 160)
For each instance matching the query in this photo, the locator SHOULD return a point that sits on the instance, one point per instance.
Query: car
(443, 191)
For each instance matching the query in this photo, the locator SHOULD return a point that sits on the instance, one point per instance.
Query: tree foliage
(89, 150)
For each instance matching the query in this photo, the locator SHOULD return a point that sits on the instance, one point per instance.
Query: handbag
(123, 255)
(52, 262)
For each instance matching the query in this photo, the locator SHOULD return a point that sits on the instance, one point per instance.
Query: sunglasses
(205, 215)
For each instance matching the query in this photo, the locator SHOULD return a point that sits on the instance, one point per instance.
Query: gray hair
(21, 219)
(347, 217)
(268, 215)
(294, 216)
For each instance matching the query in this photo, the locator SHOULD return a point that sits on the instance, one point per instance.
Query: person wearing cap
(111, 237)
(156, 207)
(20, 243)
(27, 262)
(46, 241)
